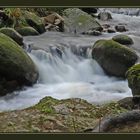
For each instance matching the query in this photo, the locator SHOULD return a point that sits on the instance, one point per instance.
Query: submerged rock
(16, 67)
(34, 21)
(76, 19)
(121, 28)
(27, 31)
(133, 76)
(92, 32)
(110, 30)
(113, 57)
(123, 39)
(12, 33)
(106, 26)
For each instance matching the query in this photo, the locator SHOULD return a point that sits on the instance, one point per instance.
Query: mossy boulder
(27, 31)
(12, 33)
(34, 21)
(79, 21)
(123, 39)
(133, 76)
(16, 67)
(113, 57)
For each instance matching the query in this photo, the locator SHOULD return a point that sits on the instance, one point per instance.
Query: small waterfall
(68, 76)
(69, 68)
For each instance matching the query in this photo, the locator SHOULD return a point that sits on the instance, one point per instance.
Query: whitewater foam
(68, 77)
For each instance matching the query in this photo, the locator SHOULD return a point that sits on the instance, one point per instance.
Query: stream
(72, 74)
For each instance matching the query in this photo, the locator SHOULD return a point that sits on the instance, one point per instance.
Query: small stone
(62, 109)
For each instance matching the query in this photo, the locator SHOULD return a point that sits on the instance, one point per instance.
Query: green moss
(34, 21)
(10, 50)
(15, 64)
(27, 31)
(113, 57)
(133, 76)
(112, 48)
(112, 108)
(13, 34)
(123, 39)
(46, 105)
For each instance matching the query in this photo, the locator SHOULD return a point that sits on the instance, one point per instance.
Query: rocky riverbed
(69, 70)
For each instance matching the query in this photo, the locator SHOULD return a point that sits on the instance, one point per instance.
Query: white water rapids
(71, 76)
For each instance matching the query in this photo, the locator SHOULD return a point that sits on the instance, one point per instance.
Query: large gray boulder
(79, 21)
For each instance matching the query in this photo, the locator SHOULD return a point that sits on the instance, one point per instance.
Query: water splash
(68, 77)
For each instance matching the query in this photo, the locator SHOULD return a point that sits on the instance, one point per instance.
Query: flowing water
(69, 74)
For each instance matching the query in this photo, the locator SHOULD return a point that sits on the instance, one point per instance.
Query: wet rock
(76, 19)
(113, 57)
(121, 28)
(13, 34)
(110, 30)
(104, 16)
(34, 21)
(17, 69)
(106, 26)
(56, 51)
(133, 77)
(27, 31)
(100, 29)
(54, 19)
(123, 39)
(92, 32)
